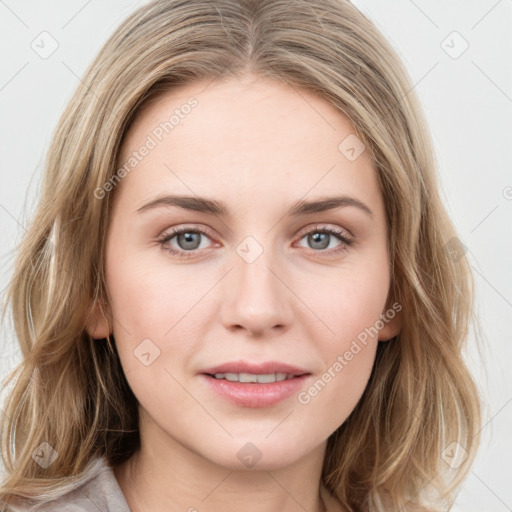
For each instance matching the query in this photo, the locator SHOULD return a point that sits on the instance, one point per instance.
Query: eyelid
(330, 228)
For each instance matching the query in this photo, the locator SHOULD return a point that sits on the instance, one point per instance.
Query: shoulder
(96, 490)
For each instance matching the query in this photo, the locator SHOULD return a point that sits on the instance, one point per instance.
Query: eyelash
(338, 233)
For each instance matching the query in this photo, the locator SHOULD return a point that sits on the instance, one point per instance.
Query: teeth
(246, 377)
(251, 377)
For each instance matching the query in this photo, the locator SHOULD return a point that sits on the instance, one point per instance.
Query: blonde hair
(70, 390)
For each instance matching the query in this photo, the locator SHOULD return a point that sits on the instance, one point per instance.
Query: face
(266, 277)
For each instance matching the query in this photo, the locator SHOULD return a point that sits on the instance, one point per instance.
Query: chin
(258, 453)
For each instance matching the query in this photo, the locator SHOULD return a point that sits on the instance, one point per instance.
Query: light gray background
(468, 104)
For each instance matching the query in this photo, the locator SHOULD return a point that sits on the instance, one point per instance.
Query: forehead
(231, 134)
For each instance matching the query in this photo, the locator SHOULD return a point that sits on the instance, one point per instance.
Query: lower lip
(252, 394)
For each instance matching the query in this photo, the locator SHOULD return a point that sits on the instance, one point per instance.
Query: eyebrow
(218, 208)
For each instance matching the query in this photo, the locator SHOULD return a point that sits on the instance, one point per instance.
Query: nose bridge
(255, 298)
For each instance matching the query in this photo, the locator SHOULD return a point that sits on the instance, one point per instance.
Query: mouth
(255, 385)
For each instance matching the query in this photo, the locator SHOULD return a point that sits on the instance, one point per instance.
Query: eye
(187, 241)
(320, 240)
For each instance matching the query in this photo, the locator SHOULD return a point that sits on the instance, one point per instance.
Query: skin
(259, 146)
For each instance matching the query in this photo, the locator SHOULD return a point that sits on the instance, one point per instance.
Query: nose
(256, 297)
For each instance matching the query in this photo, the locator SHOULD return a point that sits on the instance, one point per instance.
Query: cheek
(146, 305)
(348, 354)
(153, 308)
(347, 299)
(148, 295)
(349, 303)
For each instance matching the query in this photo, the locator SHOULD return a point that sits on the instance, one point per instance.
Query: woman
(241, 288)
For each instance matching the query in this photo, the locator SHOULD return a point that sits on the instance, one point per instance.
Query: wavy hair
(69, 390)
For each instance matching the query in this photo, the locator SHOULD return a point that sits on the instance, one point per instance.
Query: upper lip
(255, 368)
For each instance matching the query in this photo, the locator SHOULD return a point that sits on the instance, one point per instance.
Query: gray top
(97, 491)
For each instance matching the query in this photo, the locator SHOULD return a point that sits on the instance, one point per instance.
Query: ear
(99, 321)
(392, 319)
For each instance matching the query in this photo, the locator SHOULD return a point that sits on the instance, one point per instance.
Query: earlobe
(392, 320)
(98, 324)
